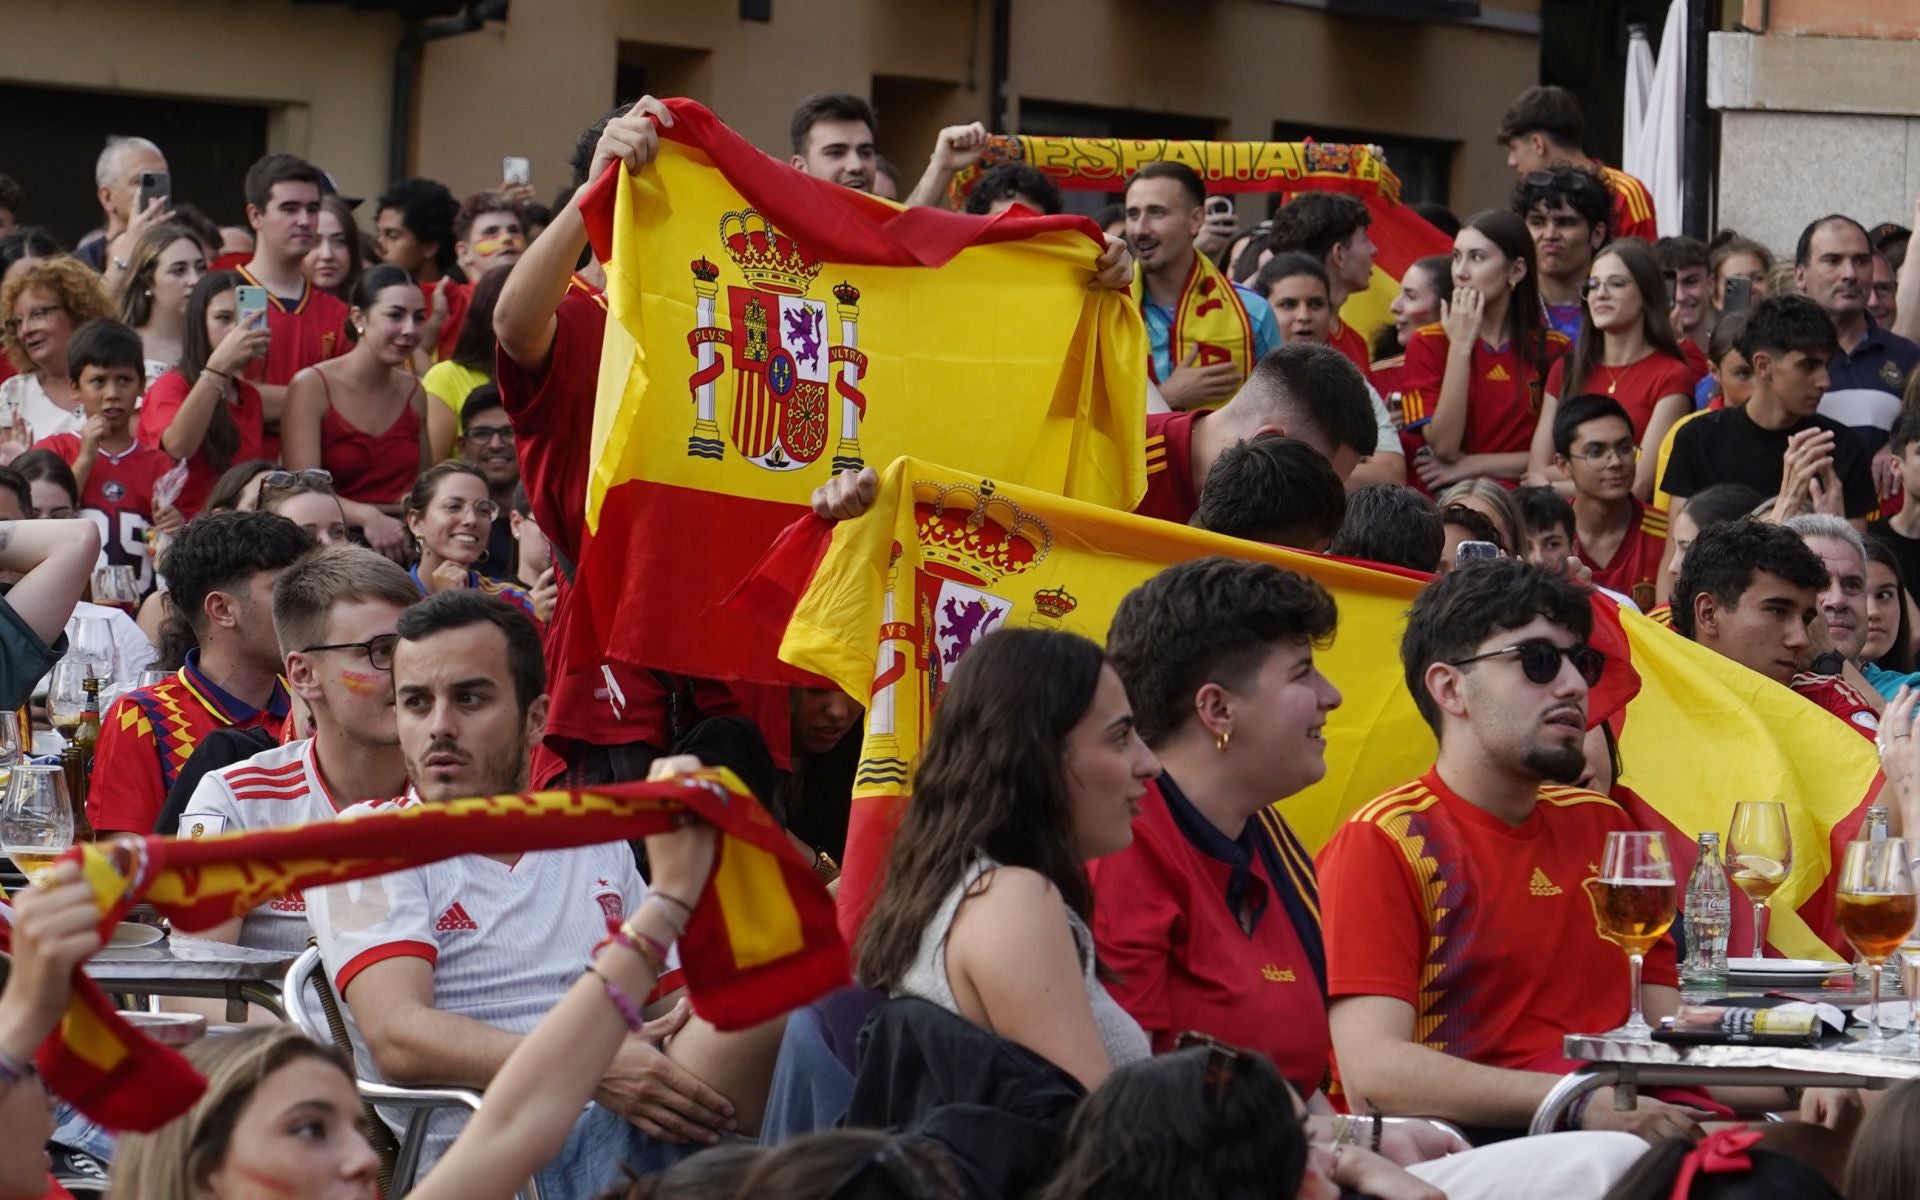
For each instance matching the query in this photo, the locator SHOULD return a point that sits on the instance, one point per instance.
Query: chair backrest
(314, 1010)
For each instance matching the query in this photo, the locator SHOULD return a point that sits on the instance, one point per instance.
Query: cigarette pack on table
(1701, 1025)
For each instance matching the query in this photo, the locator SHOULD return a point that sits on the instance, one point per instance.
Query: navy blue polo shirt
(1865, 383)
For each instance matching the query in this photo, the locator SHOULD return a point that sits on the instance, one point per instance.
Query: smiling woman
(41, 306)
(450, 514)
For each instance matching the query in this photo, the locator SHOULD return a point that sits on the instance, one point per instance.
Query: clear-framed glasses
(1594, 454)
(379, 650)
(38, 315)
(1610, 285)
(456, 508)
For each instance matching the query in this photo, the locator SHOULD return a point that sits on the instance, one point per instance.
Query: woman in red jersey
(1473, 382)
(1627, 351)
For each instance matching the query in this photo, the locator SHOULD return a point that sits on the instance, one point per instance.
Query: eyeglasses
(34, 316)
(1595, 455)
(312, 477)
(453, 506)
(379, 650)
(1613, 283)
(481, 434)
(1540, 660)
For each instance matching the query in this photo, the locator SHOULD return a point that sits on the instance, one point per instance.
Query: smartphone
(152, 184)
(514, 169)
(1220, 206)
(248, 300)
(1467, 552)
(1673, 288)
(1738, 294)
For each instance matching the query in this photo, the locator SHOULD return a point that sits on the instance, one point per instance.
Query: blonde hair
(175, 1161)
(1502, 502)
(77, 287)
(308, 590)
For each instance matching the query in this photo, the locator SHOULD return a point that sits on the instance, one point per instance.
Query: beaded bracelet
(629, 1011)
(632, 939)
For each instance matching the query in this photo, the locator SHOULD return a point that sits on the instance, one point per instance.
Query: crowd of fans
(343, 449)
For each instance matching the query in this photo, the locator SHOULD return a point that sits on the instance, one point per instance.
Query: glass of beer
(117, 587)
(1910, 983)
(1759, 856)
(36, 819)
(1874, 906)
(67, 694)
(1633, 900)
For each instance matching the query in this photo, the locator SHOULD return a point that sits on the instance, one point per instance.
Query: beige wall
(1244, 63)
(326, 72)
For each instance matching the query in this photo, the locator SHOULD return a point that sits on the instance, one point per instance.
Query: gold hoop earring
(1220, 741)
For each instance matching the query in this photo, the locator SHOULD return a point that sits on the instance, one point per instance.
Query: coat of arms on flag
(782, 363)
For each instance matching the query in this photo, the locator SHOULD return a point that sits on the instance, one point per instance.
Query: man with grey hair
(1833, 678)
(116, 178)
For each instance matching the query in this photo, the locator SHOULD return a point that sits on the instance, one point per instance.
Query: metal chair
(313, 1009)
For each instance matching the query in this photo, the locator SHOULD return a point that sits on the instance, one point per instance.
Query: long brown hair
(1591, 344)
(196, 347)
(1883, 1164)
(136, 303)
(1526, 320)
(991, 782)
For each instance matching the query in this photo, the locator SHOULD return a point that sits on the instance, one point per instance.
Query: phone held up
(154, 184)
(514, 169)
(1467, 552)
(1738, 294)
(1220, 206)
(249, 306)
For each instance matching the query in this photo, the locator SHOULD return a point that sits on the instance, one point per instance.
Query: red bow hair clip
(1722, 1152)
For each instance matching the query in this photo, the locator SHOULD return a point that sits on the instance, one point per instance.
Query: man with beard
(1439, 898)
(447, 966)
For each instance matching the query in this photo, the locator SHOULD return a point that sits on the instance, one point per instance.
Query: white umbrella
(1633, 146)
(1656, 114)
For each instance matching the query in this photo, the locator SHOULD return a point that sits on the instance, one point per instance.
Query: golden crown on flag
(768, 258)
(703, 270)
(975, 532)
(1055, 602)
(846, 293)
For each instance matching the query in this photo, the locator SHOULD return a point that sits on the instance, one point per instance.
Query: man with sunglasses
(336, 613)
(1444, 900)
(1566, 210)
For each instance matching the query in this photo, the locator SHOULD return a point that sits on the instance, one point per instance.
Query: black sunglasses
(1540, 660)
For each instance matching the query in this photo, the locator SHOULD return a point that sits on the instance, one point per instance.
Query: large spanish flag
(767, 330)
(762, 938)
(1400, 235)
(886, 605)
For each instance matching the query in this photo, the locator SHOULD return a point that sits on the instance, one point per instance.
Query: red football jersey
(1503, 398)
(1635, 566)
(1427, 899)
(1172, 494)
(1347, 340)
(1632, 207)
(157, 410)
(119, 499)
(308, 329)
(1639, 386)
(1838, 697)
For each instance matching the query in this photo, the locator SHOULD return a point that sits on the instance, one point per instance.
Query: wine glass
(1759, 855)
(67, 694)
(12, 741)
(1633, 900)
(149, 678)
(36, 819)
(117, 587)
(1874, 906)
(92, 640)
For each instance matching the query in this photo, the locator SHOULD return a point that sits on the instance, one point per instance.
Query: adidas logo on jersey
(1498, 374)
(454, 918)
(1539, 885)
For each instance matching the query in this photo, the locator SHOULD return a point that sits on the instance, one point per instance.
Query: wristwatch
(1831, 663)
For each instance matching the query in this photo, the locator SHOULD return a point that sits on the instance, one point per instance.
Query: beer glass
(1759, 856)
(1634, 901)
(1874, 907)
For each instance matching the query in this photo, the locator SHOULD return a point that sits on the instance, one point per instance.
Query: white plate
(1785, 966)
(1892, 1014)
(127, 933)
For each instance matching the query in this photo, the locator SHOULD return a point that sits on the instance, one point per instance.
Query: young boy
(1549, 523)
(116, 473)
(1619, 539)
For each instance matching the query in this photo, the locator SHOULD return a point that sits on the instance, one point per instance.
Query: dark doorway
(1583, 48)
(51, 137)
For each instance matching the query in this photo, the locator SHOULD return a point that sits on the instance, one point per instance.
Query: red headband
(1722, 1152)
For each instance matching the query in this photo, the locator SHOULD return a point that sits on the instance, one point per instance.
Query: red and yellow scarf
(1207, 317)
(762, 938)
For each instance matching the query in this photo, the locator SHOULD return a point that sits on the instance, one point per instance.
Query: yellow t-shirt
(1661, 500)
(450, 383)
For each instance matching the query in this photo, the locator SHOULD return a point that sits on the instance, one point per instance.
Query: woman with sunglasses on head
(1626, 351)
(203, 411)
(362, 416)
(307, 499)
(1472, 383)
(449, 515)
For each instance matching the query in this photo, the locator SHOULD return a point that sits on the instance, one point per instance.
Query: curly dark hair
(1212, 620)
(1010, 180)
(1471, 603)
(1724, 559)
